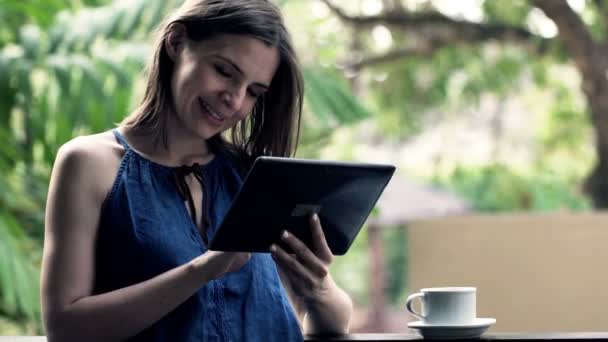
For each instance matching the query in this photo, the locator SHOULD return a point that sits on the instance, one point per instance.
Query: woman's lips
(213, 115)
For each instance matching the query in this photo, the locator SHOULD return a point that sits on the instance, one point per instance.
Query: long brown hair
(274, 124)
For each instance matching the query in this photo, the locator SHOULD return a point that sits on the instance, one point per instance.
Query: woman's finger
(304, 255)
(319, 242)
(291, 264)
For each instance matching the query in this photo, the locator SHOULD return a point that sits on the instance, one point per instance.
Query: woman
(130, 211)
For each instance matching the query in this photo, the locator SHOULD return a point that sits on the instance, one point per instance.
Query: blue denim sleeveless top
(145, 230)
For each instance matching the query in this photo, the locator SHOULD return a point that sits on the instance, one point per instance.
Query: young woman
(130, 211)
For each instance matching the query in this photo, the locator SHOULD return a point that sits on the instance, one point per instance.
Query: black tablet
(282, 193)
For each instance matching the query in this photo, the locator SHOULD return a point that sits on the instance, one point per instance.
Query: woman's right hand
(215, 264)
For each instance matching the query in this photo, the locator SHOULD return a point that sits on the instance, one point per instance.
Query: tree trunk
(591, 60)
(597, 182)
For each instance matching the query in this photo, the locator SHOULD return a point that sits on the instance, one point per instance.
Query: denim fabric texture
(145, 230)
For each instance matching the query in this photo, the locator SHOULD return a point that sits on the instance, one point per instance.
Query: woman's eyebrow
(236, 67)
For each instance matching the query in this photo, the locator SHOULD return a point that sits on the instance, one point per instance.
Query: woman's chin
(207, 133)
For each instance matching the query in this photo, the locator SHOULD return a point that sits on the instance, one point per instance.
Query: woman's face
(216, 82)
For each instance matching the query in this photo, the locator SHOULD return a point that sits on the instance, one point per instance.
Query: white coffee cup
(445, 305)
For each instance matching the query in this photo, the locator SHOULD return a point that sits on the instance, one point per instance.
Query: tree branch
(393, 5)
(391, 56)
(444, 29)
(572, 32)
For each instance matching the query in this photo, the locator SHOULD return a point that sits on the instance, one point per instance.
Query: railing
(576, 336)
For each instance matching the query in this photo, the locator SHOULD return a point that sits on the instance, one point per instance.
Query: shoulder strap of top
(121, 139)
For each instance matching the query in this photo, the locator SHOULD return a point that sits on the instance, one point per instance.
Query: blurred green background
(493, 101)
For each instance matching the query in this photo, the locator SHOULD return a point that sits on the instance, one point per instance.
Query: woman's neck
(182, 148)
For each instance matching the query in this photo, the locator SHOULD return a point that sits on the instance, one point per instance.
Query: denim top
(145, 230)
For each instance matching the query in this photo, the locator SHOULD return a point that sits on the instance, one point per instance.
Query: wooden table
(485, 337)
(575, 336)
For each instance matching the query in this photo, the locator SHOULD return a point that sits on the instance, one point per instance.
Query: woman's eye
(253, 94)
(222, 71)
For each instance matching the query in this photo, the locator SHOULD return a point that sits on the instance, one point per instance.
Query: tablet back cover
(281, 193)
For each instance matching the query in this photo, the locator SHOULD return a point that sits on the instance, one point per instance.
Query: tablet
(282, 193)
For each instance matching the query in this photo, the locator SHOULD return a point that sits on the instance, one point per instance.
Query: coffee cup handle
(410, 300)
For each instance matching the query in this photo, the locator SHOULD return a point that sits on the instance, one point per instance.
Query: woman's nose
(234, 98)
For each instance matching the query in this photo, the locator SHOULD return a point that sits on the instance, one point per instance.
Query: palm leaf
(330, 100)
(315, 100)
(118, 21)
(19, 295)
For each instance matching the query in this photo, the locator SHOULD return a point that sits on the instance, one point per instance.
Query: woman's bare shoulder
(98, 145)
(93, 160)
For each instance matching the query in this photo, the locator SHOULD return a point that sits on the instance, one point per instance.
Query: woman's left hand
(307, 268)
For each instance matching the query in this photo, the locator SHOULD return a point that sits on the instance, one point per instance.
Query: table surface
(408, 337)
(484, 337)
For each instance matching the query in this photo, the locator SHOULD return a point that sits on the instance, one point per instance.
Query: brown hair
(274, 124)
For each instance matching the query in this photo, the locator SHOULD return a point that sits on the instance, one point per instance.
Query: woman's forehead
(250, 55)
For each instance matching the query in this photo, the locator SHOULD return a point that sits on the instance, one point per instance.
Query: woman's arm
(329, 313)
(70, 312)
(321, 306)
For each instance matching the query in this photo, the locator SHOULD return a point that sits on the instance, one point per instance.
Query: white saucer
(478, 327)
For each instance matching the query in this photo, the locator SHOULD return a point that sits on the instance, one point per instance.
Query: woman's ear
(176, 39)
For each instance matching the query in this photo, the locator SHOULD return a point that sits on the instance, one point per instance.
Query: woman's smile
(214, 117)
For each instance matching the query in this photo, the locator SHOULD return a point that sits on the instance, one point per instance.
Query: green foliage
(328, 105)
(395, 243)
(495, 70)
(514, 12)
(18, 291)
(330, 99)
(566, 126)
(9, 327)
(454, 77)
(497, 188)
(14, 14)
